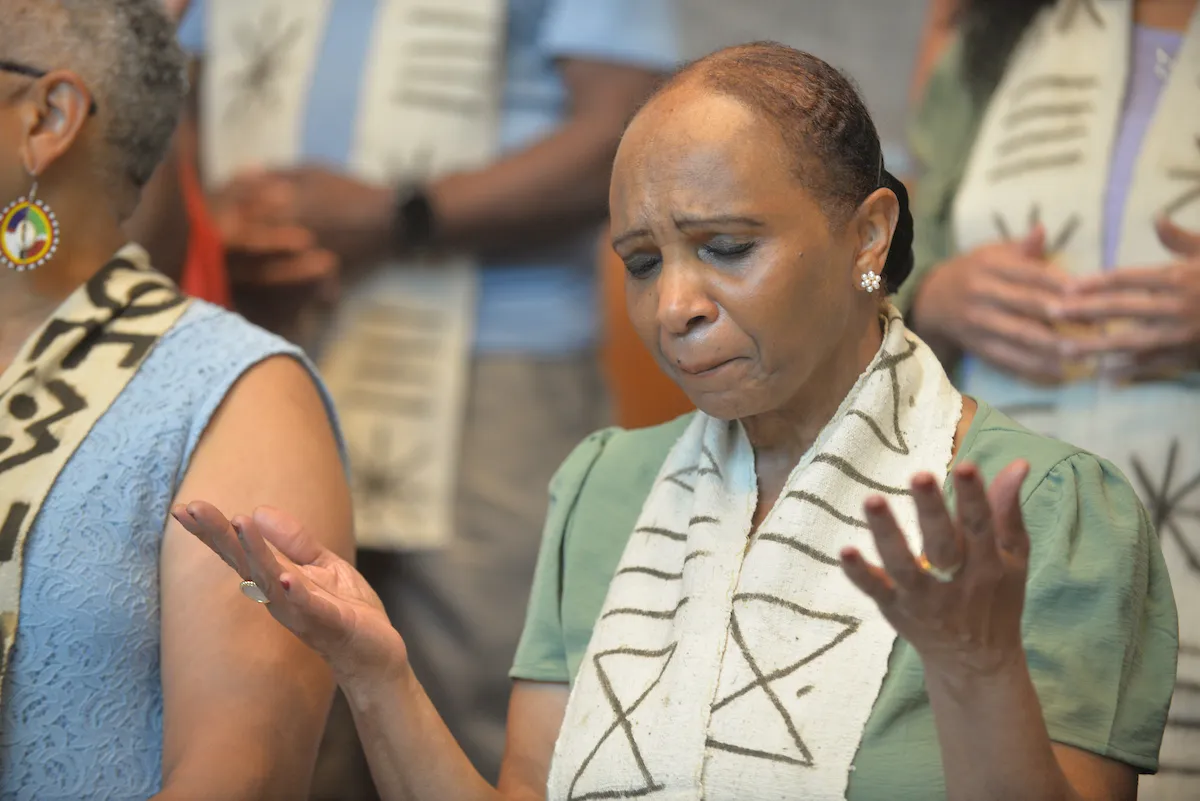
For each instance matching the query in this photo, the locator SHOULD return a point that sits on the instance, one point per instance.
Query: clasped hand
(1005, 303)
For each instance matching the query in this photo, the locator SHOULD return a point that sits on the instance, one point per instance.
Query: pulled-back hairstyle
(824, 125)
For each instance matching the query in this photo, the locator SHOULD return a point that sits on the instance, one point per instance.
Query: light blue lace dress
(82, 715)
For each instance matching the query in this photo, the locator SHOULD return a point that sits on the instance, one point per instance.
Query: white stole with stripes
(730, 667)
(397, 359)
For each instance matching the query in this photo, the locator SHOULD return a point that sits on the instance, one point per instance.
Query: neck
(780, 438)
(28, 298)
(1173, 15)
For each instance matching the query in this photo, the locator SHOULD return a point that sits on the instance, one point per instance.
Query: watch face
(415, 226)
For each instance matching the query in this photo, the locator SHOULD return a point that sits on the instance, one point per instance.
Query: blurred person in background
(1058, 253)
(130, 667)
(444, 167)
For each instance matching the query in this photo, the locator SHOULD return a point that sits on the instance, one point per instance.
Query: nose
(684, 303)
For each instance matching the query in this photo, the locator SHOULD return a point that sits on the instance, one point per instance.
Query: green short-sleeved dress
(1100, 623)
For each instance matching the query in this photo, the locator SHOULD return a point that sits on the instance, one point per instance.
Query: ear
(52, 115)
(873, 225)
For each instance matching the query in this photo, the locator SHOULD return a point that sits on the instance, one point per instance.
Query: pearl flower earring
(870, 281)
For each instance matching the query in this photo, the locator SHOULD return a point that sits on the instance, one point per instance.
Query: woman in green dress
(838, 579)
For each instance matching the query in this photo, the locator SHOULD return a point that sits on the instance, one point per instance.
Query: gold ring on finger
(254, 592)
(945, 575)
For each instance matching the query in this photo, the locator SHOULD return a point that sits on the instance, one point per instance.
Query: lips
(699, 369)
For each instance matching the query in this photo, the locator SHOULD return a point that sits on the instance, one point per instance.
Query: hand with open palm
(316, 594)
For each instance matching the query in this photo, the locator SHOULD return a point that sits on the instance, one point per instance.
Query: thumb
(288, 535)
(1034, 243)
(1178, 240)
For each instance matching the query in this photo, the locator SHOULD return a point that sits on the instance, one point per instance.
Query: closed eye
(641, 266)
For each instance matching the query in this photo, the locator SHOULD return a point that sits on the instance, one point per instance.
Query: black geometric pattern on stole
(707, 467)
(1057, 240)
(764, 682)
(1165, 502)
(380, 478)
(24, 407)
(266, 47)
(891, 362)
(1071, 12)
(141, 303)
(1189, 195)
(1040, 134)
(67, 401)
(621, 722)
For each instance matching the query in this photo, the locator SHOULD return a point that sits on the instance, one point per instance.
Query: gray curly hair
(126, 53)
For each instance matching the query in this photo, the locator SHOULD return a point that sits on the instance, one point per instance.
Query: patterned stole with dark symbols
(64, 379)
(722, 655)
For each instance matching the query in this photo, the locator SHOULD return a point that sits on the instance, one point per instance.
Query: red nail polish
(287, 585)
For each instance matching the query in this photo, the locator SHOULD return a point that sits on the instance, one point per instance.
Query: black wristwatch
(414, 224)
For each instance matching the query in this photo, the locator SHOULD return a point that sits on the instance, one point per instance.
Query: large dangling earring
(28, 233)
(870, 281)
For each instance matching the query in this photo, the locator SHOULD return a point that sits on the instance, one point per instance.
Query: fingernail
(875, 504)
(237, 527)
(286, 583)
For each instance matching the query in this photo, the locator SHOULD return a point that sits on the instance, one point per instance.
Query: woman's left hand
(962, 615)
(1153, 313)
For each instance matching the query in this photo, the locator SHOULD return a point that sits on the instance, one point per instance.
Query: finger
(1036, 338)
(310, 267)
(265, 569)
(288, 535)
(941, 539)
(1016, 269)
(314, 617)
(1135, 340)
(268, 239)
(1004, 497)
(1177, 240)
(207, 522)
(897, 559)
(974, 514)
(1023, 363)
(1100, 306)
(1150, 279)
(1026, 301)
(1034, 243)
(871, 580)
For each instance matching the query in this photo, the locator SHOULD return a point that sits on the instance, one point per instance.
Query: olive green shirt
(1100, 627)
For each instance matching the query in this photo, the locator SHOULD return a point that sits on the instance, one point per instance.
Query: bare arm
(413, 757)
(244, 701)
(559, 183)
(940, 23)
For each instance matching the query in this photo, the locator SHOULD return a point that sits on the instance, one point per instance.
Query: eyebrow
(685, 223)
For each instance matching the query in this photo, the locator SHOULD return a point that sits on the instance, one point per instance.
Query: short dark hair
(823, 122)
(127, 54)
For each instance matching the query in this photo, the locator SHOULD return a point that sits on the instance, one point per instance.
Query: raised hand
(960, 606)
(1151, 316)
(312, 591)
(1002, 303)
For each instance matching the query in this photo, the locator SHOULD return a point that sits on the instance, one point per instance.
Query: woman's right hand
(1001, 302)
(316, 594)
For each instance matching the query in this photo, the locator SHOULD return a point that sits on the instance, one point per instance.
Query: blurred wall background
(875, 41)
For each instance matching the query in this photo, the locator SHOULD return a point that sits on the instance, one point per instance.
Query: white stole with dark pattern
(63, 380)
(397, 359)
(1044, 152)
(730, 667)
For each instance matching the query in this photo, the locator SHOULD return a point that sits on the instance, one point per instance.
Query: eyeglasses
(34, 72)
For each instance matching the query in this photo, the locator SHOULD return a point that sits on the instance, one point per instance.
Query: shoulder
(616, 460)
(212, 355)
